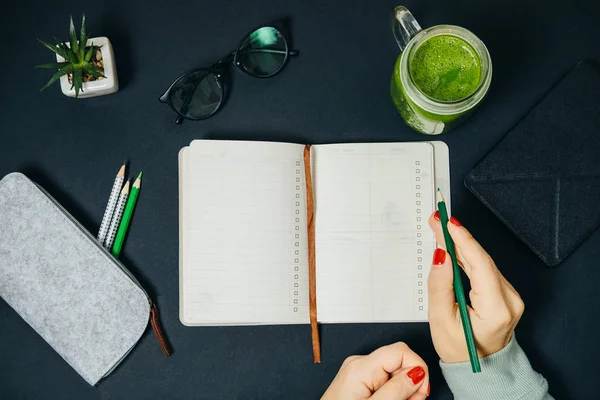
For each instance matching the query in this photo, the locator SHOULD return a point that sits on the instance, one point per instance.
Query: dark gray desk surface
(336, 91)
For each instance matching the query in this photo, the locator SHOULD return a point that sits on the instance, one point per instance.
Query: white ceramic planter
(98, 87)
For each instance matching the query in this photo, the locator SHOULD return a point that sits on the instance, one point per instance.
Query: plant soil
(96, 61)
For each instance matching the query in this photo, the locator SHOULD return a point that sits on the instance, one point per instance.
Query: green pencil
(458, 287)
(135, 190)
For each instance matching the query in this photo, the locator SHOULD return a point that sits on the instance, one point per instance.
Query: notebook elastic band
(312, 284)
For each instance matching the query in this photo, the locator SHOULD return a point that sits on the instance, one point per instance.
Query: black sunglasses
(199, 93)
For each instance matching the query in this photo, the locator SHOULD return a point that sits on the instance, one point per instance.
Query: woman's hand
(496, 307)
(393, 372)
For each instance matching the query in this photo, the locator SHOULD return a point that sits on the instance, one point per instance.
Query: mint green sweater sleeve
(505, 375)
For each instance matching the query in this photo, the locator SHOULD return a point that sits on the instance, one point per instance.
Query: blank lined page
(373, 245)
(243, 234)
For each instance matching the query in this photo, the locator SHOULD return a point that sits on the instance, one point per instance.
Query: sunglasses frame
(218, 68)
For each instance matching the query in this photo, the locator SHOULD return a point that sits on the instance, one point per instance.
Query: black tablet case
(543, 178)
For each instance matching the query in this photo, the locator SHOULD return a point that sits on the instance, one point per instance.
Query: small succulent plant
(78, 59)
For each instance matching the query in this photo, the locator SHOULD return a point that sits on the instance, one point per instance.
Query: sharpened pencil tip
(138, 181)
(125, 188)
(439, 196)
(121, 173)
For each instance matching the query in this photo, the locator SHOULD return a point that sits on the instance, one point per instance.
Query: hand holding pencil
(496, 307)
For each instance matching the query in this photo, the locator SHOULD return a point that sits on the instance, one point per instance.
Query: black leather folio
(543, 178)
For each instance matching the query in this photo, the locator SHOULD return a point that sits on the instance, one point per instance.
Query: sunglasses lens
(263, 52)
(197, 95)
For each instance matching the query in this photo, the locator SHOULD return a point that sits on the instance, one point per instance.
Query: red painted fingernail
(428, 389)
(439, 256)
(436, 215)
(416, 374)
(455, 222)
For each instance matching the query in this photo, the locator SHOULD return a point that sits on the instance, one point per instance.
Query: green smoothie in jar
(446, 68)
(441, 75)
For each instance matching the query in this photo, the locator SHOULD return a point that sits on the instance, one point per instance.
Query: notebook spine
(298, 187)
(419, 225)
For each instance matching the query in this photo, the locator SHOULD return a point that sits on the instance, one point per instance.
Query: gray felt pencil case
(65, 285)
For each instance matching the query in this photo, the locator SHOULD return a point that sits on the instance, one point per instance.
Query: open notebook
(243, 231)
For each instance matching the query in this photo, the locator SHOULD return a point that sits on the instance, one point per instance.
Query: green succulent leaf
(77, 81)
(73, 56)
(56, 65)
(55, 48)
(82, 38)
(73, 36)
(93, 70)
(63, 71)
(90, 53)
(68, 53)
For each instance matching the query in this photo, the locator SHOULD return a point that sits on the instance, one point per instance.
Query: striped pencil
(112, 203)
(116, 219)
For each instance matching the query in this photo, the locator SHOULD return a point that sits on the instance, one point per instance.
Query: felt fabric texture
(64, 284)
(543, 179)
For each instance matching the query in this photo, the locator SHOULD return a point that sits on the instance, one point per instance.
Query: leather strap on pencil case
(312, 284)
